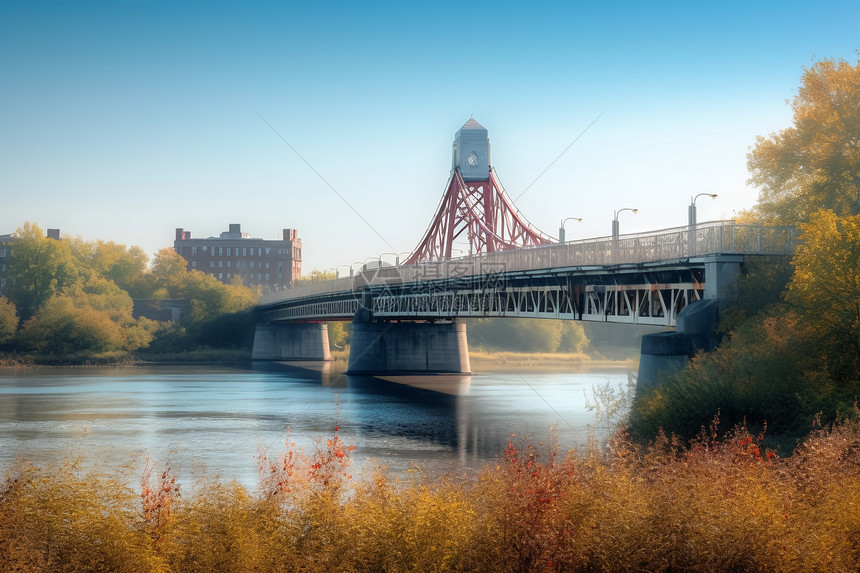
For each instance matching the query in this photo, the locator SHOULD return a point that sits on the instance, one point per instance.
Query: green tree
(518, 335)
(110, 260)
(60, 328)
(338, 334)
(573, 337)
(825, 286)
(168, 269)
(39, 268)
(816, 163)
(210, 298)
(8, 320)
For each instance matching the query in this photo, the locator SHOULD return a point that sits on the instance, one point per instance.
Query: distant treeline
(73, 299)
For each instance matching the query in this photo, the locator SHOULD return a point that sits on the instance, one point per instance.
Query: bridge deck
(642, 278)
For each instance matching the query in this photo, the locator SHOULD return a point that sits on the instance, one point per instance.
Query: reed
(718, 502)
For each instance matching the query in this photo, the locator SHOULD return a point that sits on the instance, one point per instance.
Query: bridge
(405, 317)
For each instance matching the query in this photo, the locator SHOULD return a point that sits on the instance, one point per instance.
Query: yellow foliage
(714, 505)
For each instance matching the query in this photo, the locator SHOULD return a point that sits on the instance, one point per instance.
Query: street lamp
(561, 228)
(396, 257)
(615, 220)
(691, 211)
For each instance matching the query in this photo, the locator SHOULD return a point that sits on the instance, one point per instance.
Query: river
(214, 420)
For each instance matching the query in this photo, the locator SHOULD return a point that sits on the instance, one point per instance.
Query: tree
(110, 260)
(62, 328)
(519, 335)
(815, 164)
(8, 319)
(40, 268)
(825, 286)
(168, 268)
(573, 337)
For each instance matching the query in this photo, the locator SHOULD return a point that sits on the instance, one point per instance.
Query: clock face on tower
(473, 159)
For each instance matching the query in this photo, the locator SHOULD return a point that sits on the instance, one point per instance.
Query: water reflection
(217, 417)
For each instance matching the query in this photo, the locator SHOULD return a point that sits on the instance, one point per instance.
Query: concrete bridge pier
(291, 341)
(664, 353)
(385, 347)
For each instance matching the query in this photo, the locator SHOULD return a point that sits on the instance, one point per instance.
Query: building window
(267, 265)
(205, 248)
(252, 264)
(267, 276)
(244, 251)
(193, 264)
(229, 250)
(220, 276)
(228, 264)
(268, 250)
(220, 251)
(211, 264)
(193, 251)
(259, 251)
(220, 264)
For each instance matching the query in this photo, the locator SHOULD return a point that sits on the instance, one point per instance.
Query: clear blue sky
(124, 120)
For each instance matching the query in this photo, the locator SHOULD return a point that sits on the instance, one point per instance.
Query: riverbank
(494, 361)
(198, 356)
(481, 361)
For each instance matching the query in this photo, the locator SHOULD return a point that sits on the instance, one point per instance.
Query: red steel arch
(484, 213)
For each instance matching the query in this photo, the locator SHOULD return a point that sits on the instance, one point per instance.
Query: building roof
(472, 124)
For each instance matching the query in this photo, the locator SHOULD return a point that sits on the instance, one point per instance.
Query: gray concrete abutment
(376, 347)
(383, 347)
(291, 341)
(664, 353)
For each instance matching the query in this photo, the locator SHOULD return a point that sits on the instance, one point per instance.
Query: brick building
(269, 264)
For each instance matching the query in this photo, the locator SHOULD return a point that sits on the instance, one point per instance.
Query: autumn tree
(825, 286)
(8, 319)
(40, 268)
(61, 327)
(816, 163)
(110, 260)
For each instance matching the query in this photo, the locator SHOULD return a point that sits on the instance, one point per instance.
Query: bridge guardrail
(715, 237)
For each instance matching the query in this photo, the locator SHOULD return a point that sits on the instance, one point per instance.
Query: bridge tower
(474, 210)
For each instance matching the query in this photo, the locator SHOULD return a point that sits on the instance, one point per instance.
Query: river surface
(213, 421)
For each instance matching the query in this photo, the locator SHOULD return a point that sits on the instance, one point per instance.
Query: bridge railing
(715, 237)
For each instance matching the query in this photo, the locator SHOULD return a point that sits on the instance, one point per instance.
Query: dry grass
(711, 505)
(484, 361)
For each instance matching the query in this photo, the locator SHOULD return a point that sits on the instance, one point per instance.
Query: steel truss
(634, 296)
(480, 210)
(315, 311)
(651, 304)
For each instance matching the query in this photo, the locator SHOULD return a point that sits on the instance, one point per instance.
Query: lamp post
(615, 220)
(691, 211)
(561, 228)
(396, 257)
